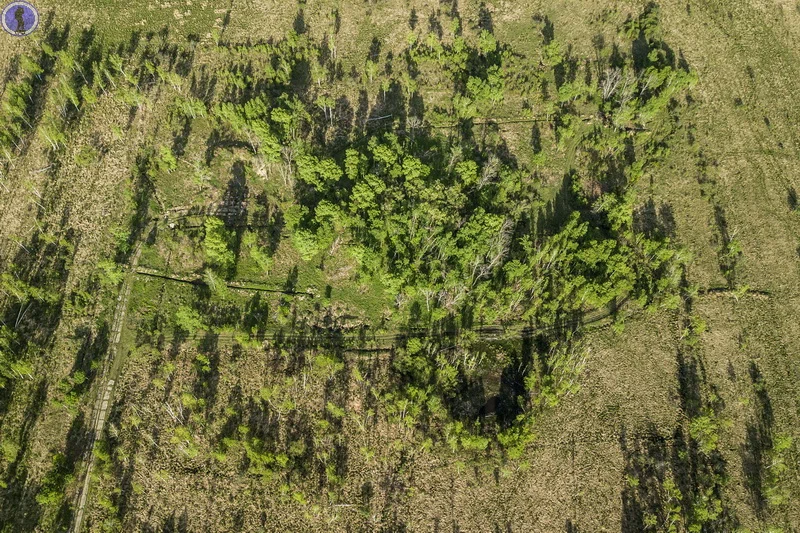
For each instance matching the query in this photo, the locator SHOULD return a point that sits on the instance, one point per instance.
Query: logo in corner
(20, 18)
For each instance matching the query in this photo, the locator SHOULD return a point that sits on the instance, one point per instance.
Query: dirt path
(106, 390)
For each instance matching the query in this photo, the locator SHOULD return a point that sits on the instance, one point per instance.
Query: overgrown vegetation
(299, 297)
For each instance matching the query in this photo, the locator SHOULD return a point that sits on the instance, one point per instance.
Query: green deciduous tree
(216, 244)
(189, 320)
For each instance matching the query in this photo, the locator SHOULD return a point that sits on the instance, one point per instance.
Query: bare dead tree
(490, 170)
(611, 80)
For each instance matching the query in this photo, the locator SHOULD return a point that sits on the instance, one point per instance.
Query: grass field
(261, 419)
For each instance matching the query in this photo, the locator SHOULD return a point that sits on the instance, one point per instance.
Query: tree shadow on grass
(554, 215)
(91, 352)
(689, 383)
(791, 198)
(653, 222)
(175, 524)
(758, 442)
(646, 463)
(78, 441)
(512, 381)
(19, 508)
(208, 374)
(181, 137)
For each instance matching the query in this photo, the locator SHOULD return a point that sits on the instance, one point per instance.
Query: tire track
(106, 390)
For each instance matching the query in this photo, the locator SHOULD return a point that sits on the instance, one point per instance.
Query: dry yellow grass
(744, 121)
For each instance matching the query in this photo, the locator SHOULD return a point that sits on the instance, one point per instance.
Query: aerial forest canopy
(309, 269)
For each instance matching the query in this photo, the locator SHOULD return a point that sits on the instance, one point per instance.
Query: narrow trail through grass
(105, 394)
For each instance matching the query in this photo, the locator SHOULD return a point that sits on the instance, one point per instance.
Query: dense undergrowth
(419, 189)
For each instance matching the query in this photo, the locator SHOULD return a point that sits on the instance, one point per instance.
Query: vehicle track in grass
(108, 378)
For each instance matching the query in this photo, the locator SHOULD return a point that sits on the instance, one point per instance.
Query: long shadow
(269, 221)
(20, 509)
(32, 318)
(727, 259)
(216, 140)
(181, 137)
(391, 104)
(208, 375)
(485, 20)
(175, 524)
(653, 222)
(666, 483)
(643, 492)
(57, 39)
(552, 217)
(256, 314)
(229, 428)
(689, 383)
(344, 123)
(646, 40)
(143, 194)
(90, 353)
(235, 199)
(203, 85)
(548, 29)
(512, 380)
(758, 442)
(78, 438)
